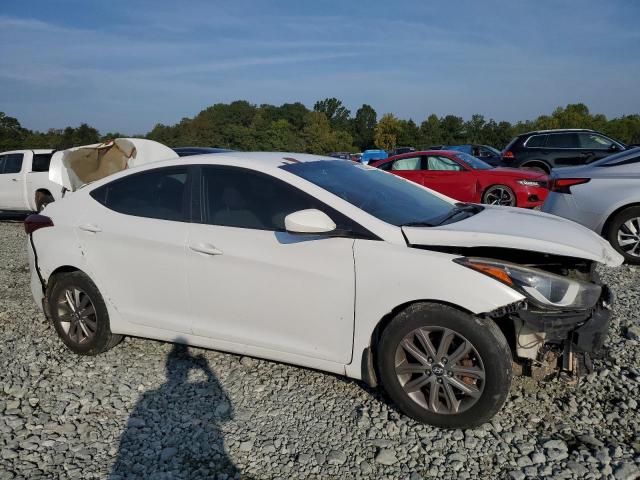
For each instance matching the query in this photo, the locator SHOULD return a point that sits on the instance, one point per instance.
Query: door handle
(88, 227)
(14, 179)
(205, 248)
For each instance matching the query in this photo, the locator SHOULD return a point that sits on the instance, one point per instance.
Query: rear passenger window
(41, 162)
(562, 140)
(13, 163)
(161, 194)
(536, 141)
(410, 163)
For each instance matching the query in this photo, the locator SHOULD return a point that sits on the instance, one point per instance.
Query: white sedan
(322, 263)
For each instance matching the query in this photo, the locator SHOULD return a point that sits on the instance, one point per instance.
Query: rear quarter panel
(58, 246)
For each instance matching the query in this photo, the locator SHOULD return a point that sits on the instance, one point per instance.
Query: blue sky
(126, 65)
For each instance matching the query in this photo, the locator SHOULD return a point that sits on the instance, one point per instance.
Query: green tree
(336, 113)
(430, 133)
(318, 137)
(364, 126)
(387, 132)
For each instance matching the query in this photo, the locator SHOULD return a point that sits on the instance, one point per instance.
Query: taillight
(35, 222)
(562, 185)
(508, 154)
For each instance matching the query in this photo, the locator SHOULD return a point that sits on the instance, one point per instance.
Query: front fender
(388, 276)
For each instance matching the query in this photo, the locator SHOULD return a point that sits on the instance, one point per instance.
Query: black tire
(490, 192)
(488, 343)
(617, 226)
(42, 201)
(101, 338)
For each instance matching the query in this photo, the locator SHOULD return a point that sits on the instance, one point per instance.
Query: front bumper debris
(586, 330)
(552, 341)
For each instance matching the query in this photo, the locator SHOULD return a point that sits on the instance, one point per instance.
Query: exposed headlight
(532, 183)
(542, 288)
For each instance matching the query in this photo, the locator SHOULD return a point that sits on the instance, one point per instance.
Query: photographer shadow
(173, 431)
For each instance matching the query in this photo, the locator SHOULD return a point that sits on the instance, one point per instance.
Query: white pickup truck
(24, 181)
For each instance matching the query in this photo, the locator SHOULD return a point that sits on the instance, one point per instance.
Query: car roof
(559, 130)
(187, 151)
(259, 159)
(34, 150)
(423, 152)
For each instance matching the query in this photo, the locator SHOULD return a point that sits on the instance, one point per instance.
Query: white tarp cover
(78, 166)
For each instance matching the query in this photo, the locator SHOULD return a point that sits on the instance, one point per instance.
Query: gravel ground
(149, 409)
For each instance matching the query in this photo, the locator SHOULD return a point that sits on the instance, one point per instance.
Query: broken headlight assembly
(541, 288)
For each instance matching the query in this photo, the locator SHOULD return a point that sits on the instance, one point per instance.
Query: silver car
(603, 196)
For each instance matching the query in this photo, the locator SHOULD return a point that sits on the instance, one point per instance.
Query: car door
(252, 283)
(11, 182)
(134, 240)
(449, 177)
(595, 146)
(563, 150)
(408, 167)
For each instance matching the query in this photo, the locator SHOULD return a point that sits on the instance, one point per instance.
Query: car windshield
(473, 162)
(383, 195)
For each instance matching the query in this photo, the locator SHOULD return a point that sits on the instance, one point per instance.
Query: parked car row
(318, 262)
(469, 179)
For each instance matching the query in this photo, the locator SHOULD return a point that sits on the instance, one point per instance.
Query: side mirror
(309, 221)
(614, 148)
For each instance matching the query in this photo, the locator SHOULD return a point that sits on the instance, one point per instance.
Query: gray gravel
(148, 409)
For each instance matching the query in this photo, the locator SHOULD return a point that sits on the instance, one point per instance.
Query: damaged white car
(322, 263)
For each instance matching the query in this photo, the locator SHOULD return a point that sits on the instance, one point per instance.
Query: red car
(468, 179)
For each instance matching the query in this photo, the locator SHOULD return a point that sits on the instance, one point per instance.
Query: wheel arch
(607, 223)
(59, 271)
(369, 370)
(536, 163)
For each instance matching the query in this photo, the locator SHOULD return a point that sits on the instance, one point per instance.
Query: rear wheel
(80, 315)
(443, 367)
(499, 195)
(624, 234)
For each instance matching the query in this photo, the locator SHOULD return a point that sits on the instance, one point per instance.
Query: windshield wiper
(462, 208)
(418, 224)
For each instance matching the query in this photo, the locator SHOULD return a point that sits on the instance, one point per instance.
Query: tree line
(328, 127)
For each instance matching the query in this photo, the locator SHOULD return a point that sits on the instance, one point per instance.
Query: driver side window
(594, 141)
(438, 163)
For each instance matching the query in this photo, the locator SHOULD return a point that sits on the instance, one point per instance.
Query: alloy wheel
(77, 315)
(440, 370)
(499, 196)
(629, 237)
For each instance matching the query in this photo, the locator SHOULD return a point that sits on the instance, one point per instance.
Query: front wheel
(80, 315)
(499, 195)
(444, 367)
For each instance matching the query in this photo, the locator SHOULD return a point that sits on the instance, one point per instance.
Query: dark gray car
(604, 196)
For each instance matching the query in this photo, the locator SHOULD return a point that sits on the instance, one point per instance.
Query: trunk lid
(78, 166)
(519, 229)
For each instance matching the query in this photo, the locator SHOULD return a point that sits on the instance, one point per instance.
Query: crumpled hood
(521, 229)
(78, 166)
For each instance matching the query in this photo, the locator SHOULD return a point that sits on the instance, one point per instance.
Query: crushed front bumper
(586, 330)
